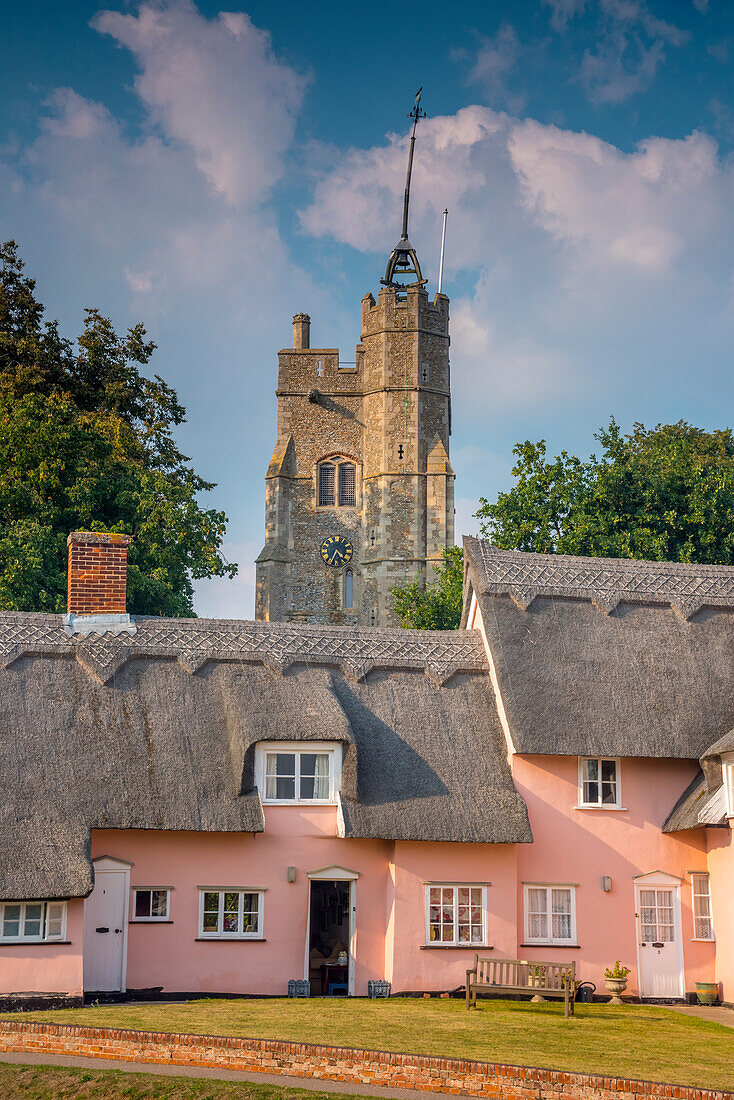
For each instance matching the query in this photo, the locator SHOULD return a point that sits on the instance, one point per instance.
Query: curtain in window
(347, 484)
(538, 914)
(314, 775)
(326, 483)
(702, 926)
(561, 905)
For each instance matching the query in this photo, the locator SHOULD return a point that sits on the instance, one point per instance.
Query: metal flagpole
(443, 248)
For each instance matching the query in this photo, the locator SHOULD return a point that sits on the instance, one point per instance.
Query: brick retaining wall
(371, 1067)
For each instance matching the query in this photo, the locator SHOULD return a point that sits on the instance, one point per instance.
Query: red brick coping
(372, 1067)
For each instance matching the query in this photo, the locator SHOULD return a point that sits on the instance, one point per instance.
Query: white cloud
(494, 63)
(215, 86)
(564, 10)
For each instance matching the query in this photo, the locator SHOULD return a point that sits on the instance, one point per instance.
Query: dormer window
(727, 763)
(337, 484)
(300, 772)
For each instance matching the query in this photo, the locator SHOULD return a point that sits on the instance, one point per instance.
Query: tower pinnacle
(403, 260)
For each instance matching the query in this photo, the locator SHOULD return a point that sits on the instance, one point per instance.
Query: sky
(212, 172)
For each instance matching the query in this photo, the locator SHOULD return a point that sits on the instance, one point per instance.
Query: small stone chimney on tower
(301, 331)
(97, 589)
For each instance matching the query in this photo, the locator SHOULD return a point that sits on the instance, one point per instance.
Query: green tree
(86, 443)
(663, 493)
(438, 605)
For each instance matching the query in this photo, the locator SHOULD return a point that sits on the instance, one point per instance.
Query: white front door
(105, 932)
(658, 939)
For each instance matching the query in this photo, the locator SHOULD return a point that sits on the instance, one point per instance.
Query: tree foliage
(86, 443)
(663, 493)
(438, 605)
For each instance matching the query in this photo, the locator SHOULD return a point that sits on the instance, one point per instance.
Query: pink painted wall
(580, 846)
(46, 968)
(168, 955)
(721, 870)
(413, 966)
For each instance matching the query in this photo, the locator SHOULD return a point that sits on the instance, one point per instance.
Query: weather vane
(403, 260)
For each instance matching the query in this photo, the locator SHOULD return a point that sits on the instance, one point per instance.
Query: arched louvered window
(347, 484)
(326, 483)
(349, 590)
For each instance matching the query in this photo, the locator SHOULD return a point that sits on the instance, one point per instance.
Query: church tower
(359, 492)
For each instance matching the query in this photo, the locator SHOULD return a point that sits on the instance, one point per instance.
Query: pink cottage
(200, 806)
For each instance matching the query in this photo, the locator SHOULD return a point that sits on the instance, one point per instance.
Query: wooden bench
(543, 979)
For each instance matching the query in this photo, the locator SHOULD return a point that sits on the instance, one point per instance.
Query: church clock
(336, 550)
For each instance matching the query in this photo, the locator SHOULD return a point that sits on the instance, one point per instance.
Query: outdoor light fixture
(606, 884)
(292, 875)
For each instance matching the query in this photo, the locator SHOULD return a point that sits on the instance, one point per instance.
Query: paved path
(309, 1083)
(717, 1013)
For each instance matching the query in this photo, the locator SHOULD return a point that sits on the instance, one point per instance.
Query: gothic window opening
(326, 484)
(318, 370)
(372, 537)
(349, 590)
(425, 374)
(347, 484)
(401, 450)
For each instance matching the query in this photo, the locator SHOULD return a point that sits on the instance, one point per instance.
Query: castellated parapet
(362, 453)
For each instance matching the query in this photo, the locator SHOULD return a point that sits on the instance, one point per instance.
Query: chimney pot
(301, 331)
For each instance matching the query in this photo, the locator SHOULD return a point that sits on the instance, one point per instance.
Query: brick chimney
(97, 592)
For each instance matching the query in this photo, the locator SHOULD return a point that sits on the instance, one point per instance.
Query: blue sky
(212, 170)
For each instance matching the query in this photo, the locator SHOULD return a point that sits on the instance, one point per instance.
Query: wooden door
(659, 947)
(105, 933)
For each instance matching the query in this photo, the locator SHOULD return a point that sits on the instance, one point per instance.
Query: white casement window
(599, 782)
(456, 915)
(298, 772)
(550, 914)
(231, 914)
(728, 776)
(703, 928)
(150, 904)
(32, 921)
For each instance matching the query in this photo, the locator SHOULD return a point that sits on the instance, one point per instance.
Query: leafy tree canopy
(438, 605)
(86, 443)
(663, 493)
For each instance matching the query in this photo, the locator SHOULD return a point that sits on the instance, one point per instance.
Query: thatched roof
(703, 802)
(157, 731)
(604, 656)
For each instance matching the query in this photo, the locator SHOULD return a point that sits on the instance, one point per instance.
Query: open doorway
(329, 937)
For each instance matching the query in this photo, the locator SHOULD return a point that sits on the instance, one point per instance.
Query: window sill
(456, 947)
(35, 943)
(607, 809)
(230, 939)
(148, 920)
(544, 943)
(295, 802)
(699, 939)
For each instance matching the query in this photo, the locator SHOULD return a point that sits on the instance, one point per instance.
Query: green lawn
(19, 1082)
(646, 1042)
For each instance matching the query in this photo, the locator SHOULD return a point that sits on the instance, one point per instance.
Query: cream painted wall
(721, 870)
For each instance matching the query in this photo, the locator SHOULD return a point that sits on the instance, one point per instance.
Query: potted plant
(615, 979)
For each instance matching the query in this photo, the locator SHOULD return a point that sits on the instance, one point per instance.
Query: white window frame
(727, 768)
(44, 937)
(599, 805)
(455, 942)
(700, 894)
(334, 749)
(241, 891)
(151, 890)
(550, 940)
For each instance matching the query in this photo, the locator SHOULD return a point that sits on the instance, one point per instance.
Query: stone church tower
(360, 491)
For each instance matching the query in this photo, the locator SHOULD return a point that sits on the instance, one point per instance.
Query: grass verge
(19, 1082)
(648, 1042)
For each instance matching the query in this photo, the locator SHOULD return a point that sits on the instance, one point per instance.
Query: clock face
(336, 550)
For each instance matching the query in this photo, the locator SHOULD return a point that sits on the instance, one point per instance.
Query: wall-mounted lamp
(292, 875)
(606, 884)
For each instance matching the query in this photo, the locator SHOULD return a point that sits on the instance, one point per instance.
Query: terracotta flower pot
(616, 986)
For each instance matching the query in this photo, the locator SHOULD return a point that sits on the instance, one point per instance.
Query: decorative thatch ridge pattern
(193, 642)
(607, 582)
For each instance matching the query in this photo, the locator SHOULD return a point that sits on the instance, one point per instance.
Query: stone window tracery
(337, 483)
